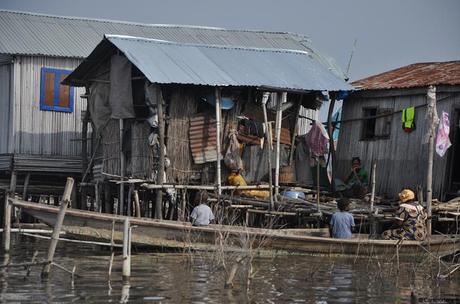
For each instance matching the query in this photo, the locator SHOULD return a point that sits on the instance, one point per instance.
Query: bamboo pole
(429, 176)
(126, 268)
(161, 161)
(373, 229)
(294, 131)
(58, 226)
(268, 143)
(122, 169)
(279, 117)
(330, 130)
(218, 139)
(137, 205)
(7, 214)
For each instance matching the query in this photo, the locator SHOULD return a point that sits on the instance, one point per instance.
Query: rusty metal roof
(414, 75)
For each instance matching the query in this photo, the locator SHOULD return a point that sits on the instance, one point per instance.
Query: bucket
(287, 175)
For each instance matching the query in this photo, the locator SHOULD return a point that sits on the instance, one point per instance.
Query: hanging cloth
(317, 139)
(408, 117)
(442, 139)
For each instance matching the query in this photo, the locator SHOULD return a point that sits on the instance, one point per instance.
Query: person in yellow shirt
(236, 179)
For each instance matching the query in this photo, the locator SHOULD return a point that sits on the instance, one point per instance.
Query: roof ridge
(216, 46)
(102, 20)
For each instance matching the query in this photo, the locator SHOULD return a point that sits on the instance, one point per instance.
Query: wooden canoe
(184, 236)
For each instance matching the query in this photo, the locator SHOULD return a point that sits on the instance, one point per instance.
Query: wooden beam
(268, 147)
(58, 226)
(161, 161)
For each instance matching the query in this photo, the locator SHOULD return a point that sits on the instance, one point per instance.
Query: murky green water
(182, 278)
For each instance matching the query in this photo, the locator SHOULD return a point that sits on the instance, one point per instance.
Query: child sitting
(342, 222)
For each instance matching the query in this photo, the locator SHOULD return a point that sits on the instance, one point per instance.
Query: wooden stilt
(317, 184)
(137, 205)
(126, 269)
(121, 197)
(429, 176)
(279, 117)
(372, 223)
(58, 226)
(161, 161)
(26, 186)
(7, 214)
(218, 139)
(268, 145)
(97, 196)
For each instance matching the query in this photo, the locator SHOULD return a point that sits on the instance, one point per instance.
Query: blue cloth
(341, 223)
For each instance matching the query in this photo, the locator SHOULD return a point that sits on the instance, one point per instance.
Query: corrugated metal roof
(36, 34)
(167, 62)
(414, 75)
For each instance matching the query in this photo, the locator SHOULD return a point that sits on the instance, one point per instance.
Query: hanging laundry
(408, 119)
(317, 139)
(442, 139)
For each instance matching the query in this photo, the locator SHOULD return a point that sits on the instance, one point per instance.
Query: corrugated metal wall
(5, 108)
(304, 123)
(43, 132)
(401, 159)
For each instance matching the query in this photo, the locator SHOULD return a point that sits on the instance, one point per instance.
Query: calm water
(182, 278)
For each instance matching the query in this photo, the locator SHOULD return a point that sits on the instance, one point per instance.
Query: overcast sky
(389, 33)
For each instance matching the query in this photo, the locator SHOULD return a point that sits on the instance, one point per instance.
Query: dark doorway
(454, 163)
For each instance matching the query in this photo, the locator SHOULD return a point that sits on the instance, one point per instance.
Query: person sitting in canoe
(410, 222)
(342, 222)
(201, 215)
(355, 185)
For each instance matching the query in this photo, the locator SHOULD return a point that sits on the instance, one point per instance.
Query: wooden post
(268, 143)
(58, 226)
(137, 205)
(84, 157)
(122, 171)
(317, 183)
(161, 161)
(429, 176)
(373, 229)
(218, 139)
(126, 268)
(26, 186)
(279, 117)
(97, 196)
(7, 214)
(330, 130)
(294, 131)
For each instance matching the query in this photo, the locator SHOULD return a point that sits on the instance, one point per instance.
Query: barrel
(287, 175)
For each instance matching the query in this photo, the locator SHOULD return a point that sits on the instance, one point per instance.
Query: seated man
(355, 185)
(201, 215)
(342, 222)
(410, 221)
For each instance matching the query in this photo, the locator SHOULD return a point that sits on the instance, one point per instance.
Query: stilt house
(41, 121)
(372, 128)
(160, 105)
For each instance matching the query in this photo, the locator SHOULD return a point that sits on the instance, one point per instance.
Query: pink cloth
(317, 139)
(442, 139)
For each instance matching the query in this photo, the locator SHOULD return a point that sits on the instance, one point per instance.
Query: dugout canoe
(184, 236)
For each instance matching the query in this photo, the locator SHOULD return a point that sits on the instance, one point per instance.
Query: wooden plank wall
(401, 159)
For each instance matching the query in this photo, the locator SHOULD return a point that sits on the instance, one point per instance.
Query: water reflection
(176, 278)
